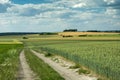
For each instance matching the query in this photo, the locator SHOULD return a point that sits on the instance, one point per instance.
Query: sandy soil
(63, 71)
(25, 73)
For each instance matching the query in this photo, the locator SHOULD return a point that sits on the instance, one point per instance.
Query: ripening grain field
(9, 61)
(103, 57)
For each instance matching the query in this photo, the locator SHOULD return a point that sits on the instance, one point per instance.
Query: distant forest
(26, 33)
(75, 30)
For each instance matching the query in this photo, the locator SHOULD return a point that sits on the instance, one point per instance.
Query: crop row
(103, 57)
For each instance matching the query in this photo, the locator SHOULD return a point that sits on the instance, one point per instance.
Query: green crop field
(103, 57)
(100, 54)
(9, 61)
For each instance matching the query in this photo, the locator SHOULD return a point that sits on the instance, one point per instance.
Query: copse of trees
(103, 31)
(67, 36)
(27, 33)
(25, 37)
(48, 33)
(70, 30)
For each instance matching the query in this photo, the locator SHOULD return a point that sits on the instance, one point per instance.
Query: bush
(48, 54)
(25, 37)
(83, 71)
(75, 66)
(83, 35)
(67, 36)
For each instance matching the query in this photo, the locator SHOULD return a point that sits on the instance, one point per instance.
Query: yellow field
(85, 33)
(12, 42)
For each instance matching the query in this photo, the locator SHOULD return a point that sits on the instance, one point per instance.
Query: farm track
(25, 73)
(64, 72)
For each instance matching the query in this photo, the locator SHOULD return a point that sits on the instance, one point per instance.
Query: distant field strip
(11, 43)
(87, 33)
(9, 61)
(103, 57)
(14, 41)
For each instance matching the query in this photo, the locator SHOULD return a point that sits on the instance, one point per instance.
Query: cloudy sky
(57, 15)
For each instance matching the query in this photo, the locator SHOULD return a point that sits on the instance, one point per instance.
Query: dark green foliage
(47, 54)
(85, 35)
(83, 71)
(75, 66)
(67, 36)
(25, 37)
(70, 30)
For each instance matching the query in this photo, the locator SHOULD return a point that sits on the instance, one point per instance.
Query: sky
(57, 15)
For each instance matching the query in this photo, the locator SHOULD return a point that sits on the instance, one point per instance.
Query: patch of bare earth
(25, 73)
(62, 67)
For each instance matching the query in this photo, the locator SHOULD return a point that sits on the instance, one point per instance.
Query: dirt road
(25, 73)
(64, 72)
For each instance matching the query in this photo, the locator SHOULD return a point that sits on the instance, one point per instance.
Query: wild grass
(9, 61)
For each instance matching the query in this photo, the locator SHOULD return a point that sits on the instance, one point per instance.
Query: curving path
(64, 72)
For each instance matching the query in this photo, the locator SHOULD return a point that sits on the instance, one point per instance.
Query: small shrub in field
(99, 79)
(83, 35)
(25, 37)
(48, 54)
(83, 71)
(67, 36)
(75, 66)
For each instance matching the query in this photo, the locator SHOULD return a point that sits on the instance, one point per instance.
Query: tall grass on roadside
(9, 61)
(43, 70)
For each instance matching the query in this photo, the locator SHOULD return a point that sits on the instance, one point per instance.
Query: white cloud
(110, 1)
(81, 14)
(80, 5)
(4, 22)
(4, 1)
(111, 11)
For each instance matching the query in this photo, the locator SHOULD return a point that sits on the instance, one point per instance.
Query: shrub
(25, 37)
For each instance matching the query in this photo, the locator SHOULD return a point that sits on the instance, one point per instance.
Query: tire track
(25, 73)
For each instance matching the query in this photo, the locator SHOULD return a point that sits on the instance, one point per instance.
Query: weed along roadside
(64, 72)
(9, 61)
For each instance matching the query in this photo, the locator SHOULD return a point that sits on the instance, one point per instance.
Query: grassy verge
(43, 70)
(9, 61)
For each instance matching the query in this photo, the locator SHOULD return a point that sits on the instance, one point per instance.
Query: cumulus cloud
(111, 11)
(4, 4)
(112, 2)
(61, 14)
(4, 1)
(80, 5)
(33, 9)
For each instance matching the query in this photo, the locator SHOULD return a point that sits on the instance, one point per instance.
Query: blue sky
(57, 15)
